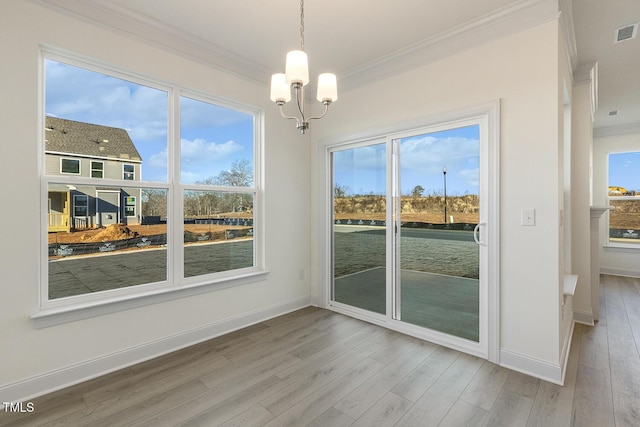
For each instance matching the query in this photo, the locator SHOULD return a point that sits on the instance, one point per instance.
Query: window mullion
(176, 194)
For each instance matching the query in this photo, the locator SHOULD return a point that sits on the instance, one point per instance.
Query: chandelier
(295, 78)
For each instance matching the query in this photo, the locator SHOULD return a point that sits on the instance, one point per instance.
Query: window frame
(92, 162)
(125, 173)
(62, 172)
(127, 205)
(611, 244)
(61, 310)
(75, 204)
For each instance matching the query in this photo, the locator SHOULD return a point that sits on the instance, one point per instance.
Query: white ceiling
(362, 40)
(595, 23)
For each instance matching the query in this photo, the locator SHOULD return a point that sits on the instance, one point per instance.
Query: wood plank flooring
(319, 368)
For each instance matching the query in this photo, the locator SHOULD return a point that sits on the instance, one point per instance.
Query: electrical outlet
(529, 217)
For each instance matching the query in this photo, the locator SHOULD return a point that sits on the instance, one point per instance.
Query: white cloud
(202, 151)
(430, 154)
(158, 160)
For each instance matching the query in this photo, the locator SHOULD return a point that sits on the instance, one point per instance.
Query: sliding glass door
(359, 227)
(438, 208)
(408, 230)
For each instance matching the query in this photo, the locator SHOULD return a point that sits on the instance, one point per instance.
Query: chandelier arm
(326, 108)
(286, 116)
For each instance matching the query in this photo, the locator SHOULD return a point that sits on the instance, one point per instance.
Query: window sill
(622, 247)
(57, 316)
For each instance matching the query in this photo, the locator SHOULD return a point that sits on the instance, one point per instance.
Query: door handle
(476, 233)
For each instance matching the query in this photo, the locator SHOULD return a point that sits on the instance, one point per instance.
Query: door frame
(488, 115)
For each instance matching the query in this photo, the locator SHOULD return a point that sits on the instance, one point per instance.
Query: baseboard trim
(566, 349)
(620, 272)
(584, 317)
(51, 381)
(534, 367)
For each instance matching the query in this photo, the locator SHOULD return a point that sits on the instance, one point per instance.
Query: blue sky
(212, 137)
(423, 157)
(624, 170)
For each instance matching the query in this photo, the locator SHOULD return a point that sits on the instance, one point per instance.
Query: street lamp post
(444, 173)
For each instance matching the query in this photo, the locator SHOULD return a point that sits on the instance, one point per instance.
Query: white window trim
(62, 310)
(62, 159)
(91, 162)
(612, 245)
(619, 246)
(124, 173)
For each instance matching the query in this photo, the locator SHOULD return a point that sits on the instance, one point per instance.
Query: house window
(212, 182)
(80, 205)
(130, 206)
(624, 196)
(97, 169)
(70, 166)
(128, 172)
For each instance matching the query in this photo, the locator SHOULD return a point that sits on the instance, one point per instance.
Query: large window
(624, 196)
(150, 185)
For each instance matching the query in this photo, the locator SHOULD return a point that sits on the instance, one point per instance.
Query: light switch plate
(529, 217)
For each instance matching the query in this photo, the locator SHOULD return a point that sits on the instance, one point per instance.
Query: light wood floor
(319, 368)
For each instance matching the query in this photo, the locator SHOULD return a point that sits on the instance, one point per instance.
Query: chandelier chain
(302, 25)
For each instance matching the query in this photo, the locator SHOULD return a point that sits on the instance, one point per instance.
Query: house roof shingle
(86, 139)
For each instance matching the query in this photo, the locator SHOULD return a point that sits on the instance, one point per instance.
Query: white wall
(625, 262)
(33, 360)
(522, 71)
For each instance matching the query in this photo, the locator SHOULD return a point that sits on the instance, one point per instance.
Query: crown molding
(633, 128)
(514, 18)
(517, 16)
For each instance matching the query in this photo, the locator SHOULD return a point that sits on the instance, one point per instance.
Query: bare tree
(154, 202)
(340, 191)
(240, 175)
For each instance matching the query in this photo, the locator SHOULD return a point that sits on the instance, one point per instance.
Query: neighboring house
(90, 151)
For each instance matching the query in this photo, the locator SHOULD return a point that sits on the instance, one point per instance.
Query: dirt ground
(120, 232)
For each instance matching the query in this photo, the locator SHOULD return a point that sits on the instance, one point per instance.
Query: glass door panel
(437, 211)
(359, 227)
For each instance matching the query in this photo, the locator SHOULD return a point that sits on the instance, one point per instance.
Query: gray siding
(112, 168)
